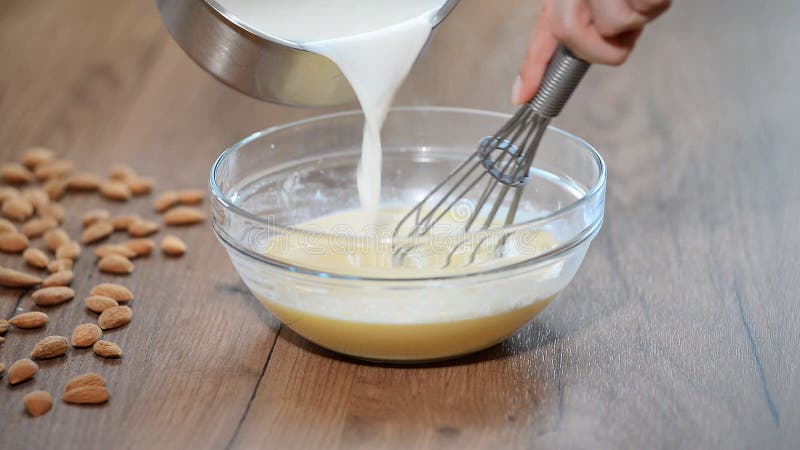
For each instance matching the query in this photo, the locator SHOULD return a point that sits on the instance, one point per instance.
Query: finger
(541, 47)
(573, 25)
(614, 17)
(650, 8)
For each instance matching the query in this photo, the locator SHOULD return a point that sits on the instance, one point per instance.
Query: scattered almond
(35, 156)
(37, 197)
(35, 257)
(54, 169)
(7, 226)
(99, 303)
(191, 196)
(115, 190)
(85, 335)
(86, 395)
(122, 222)
(54, 210)
(38, 226)
(7, 192)
(59, 265)
(183, 215)
(32, 319)
(22, 370)
(14, 173)
(173, 246)
(14, 278)
(83, 181)
(142, 228)
(70, 250)
(114, 317)
(60, 278)
(53, 295)
(86, 379)
(2, 339)
(121, 172)
(116, 264)
(142, 247)
(13, 242)
(95, 215)
(37, 402)
(55, 188)
(50, 347)
(117, 249)
(3, 326)
(55, 238)
(97, 231)
(166, 200)
(140, 185)
(17, 209)
(107, 349)
(2, 369)
(115, 291)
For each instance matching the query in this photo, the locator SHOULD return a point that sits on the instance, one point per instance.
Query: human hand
(597, 31)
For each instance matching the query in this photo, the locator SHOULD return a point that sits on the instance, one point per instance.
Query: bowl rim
(587, 232)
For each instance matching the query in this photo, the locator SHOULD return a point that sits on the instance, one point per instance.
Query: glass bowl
(268, 186)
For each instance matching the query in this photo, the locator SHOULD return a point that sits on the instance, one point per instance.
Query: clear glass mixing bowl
(269, 184)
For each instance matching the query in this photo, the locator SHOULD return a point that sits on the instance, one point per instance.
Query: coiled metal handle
(563, 74)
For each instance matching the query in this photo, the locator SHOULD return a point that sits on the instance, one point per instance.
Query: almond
(97, 231)
(117, 292)
(122, 222)
(17, 209)
(116, 249)
(86, 395)
(38, 226)
(3, 326)
(70, 250)
(99, 303)
(183, 215)
(14, 173)
(142, 247)
(2, 369)
(2, 339)
(13, 242)
(22, 370)
(107, 349)
(85, 335)
(142, 228)
(166, 200)
(35, 156)
(140, 185)
(6, 226)
(55, 188)
(121, 172)
(95, 215)
(60, 278)
(33, 319)
(54, 210)
(54, 169)
(37, 197)
(83, 181)
(115, 190)
(55, 238)
(116, 264)
(50, 347)
(53, 295)
(14, 278)
(59, 265)
(35, 257)
(86, 379)
(191, 196)
(173, 246)
(37, 402)
(114, 317)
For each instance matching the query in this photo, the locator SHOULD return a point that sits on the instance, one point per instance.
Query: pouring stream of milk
(374, 43)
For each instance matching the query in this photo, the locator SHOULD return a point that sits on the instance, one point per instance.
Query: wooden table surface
(681, 329)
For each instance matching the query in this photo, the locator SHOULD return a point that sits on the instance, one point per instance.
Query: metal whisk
(505, 157)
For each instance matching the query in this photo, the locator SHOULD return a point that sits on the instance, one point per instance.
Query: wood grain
(680, 330)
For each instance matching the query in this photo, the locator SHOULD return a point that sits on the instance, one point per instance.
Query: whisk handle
(563, 74)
